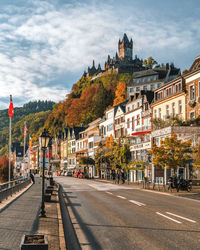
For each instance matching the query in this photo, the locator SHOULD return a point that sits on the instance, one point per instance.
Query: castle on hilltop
(122, 62)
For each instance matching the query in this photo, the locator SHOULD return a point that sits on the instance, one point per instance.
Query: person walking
(32, 178)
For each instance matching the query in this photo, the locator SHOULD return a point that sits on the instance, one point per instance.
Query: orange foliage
(120, 93)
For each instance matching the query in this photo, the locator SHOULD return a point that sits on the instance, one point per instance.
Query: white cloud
(43, 41)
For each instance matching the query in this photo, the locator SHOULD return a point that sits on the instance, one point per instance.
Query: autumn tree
(172, 152)
(120, 93)
(149, 62)
(4, 166)
(197, 156)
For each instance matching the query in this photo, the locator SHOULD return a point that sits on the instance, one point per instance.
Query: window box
(34, 241)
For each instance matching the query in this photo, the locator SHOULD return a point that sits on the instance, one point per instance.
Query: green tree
(149, 62)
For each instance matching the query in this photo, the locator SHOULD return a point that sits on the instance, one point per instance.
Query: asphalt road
(111, 216)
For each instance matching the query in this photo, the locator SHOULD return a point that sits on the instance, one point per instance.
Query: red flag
(10, 112)
(25, 129)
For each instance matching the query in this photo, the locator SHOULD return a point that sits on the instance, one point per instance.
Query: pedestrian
(32, 178)
(123, 177)
(118, 177)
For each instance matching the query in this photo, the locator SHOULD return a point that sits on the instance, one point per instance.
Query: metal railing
(7, 189)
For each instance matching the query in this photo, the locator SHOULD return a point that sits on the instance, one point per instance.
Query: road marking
(169, 218)
(121, 197)
(181, 217)
(137, 203)
(108, 192)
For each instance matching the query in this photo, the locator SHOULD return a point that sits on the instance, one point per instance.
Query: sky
(45, 45)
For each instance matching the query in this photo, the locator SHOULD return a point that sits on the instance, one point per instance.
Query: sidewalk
(22, 217)
(194, 194)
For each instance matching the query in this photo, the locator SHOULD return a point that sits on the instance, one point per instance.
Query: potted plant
(34, 241)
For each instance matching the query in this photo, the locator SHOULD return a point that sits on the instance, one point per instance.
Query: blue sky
(45, 45)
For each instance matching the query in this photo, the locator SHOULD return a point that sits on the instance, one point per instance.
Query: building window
(192, 115)
(155, 113)
(137, 89)
(90, 145)
(159, 85)
(128, 123)
(133, 123)
(199, 88)
(137, 81)
(173, 108)
(118, 121)
(167, 110)
(132, 106)
(122, 119)
(152, 87)
(128, 109)
(159, 113)
(179, 106)
(192, 92)
(131, 89)
(138, 119)
(109, 127)
(138, 104)
(154, 78)
(145, 87)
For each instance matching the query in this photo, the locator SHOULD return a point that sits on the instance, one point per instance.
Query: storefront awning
(142, 132)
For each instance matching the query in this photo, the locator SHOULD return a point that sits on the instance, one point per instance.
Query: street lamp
(43, 141)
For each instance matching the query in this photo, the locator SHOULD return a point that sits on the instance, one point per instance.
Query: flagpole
(9, 150)
(24, 140)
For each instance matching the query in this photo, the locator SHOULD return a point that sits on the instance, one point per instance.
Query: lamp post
(43, 141)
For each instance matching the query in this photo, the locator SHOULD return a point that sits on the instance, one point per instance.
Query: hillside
(35, 115)
(87, 101)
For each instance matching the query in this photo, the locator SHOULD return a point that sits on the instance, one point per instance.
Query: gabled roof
(196, 64)
(122, 105)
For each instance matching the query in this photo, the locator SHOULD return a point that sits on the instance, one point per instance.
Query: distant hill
(35, 115)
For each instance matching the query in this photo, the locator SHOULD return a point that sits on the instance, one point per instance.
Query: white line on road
(137, 203)
(108, 192)
(181, 217)
(169, 218)
(121, 197)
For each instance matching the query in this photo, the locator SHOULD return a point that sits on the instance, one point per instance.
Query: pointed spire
(125, 38)
(93, 63)
(99, 66)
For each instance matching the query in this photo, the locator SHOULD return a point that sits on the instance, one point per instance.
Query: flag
(10, 112)
(25, 129)
(30, 144)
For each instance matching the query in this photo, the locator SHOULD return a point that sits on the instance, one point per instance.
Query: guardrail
(7, 189)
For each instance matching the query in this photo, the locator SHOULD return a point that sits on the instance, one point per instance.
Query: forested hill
(34, 113)
(21, 112)
(87, 101)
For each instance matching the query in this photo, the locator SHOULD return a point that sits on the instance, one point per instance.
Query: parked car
(83, 175)
(68, 173)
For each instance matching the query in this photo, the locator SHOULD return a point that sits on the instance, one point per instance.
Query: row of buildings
(135, 119)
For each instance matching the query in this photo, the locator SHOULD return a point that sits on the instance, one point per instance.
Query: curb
(11, 199)
(60, 226)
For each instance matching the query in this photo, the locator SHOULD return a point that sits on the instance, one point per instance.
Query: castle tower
(125, 48)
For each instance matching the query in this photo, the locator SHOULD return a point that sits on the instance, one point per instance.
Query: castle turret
(125, 48)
